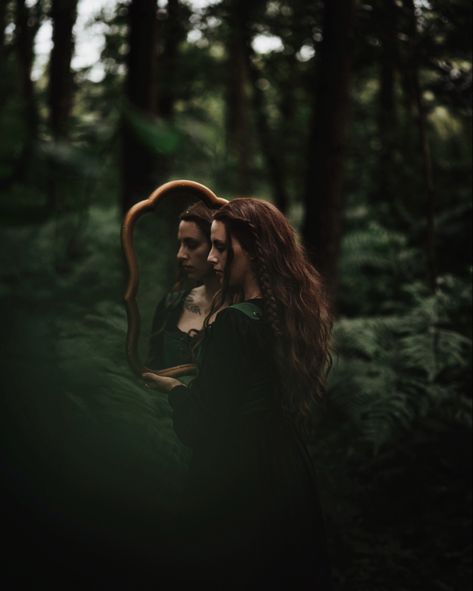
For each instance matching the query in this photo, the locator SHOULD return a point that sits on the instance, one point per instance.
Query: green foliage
(158, 135)
(376, 265)
(393, 371)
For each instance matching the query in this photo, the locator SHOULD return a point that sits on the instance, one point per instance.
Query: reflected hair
(296, 305)
(201, 214)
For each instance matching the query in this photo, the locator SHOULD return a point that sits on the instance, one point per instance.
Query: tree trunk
(273, 159)
(288, 110)
(416, 99)
(5, 48)
(322, 229)
(237, 100)
(26, 29)
(3, 26)
(140, 89)
(61, 82)
(388, 124)
(27, 22)
(243, 70)
(173, 33)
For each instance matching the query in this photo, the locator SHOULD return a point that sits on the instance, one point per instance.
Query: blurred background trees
(322, 108)
(355, 119)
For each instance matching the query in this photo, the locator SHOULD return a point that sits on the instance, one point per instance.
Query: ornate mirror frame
(127, 241)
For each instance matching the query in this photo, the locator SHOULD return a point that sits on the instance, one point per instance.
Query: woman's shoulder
(240, 314)
(240, 328)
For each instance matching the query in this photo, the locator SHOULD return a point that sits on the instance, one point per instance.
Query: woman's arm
(206, 408)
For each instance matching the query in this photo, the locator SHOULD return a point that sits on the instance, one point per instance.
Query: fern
(391, 371)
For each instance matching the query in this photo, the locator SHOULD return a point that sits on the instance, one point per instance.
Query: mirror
(149, 242)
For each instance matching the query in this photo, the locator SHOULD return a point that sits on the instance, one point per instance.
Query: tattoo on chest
(191, 306)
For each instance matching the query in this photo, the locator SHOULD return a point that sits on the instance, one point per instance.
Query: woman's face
(241, 263)
(193, 251)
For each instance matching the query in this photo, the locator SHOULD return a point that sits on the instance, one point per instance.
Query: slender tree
(3, 26)
(27, 24)
(418, 110)
(140, 90)
(173, 33)
(237, 96)
(322, 228)
(386, 14)
(273, 158)
(61, 81)
(245, 90)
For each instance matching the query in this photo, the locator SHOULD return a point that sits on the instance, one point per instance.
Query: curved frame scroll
(127, 232)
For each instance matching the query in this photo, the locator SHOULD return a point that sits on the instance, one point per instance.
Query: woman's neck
(211, 285)
(251, 288)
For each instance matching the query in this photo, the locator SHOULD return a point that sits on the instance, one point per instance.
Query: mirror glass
(156, 246)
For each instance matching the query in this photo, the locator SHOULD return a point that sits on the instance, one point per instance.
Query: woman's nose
(211, 258)
(181, 254)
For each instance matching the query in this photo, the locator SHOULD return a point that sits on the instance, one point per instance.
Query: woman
(180, 315)
(253, 511)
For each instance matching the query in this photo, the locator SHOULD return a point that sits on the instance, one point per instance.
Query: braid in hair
(273, 314)
(271, 307)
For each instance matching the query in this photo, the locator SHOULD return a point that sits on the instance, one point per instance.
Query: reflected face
(241, 263)
(193, 251)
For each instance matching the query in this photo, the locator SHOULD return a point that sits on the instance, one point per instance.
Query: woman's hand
(161, 383)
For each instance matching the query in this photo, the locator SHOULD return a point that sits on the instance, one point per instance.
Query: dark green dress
(251, 509)
(169, 346)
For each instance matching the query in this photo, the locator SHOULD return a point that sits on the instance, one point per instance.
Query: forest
(354, 118)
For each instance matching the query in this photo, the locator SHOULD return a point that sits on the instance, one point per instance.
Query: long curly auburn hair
(295, 301)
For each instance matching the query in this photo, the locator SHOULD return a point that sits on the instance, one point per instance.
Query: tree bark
(61, 81)
(322, 228)
(140, 90)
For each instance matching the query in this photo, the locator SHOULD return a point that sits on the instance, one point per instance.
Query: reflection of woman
(180, 315)
(252, 501)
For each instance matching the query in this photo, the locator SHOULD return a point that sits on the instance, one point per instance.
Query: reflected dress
(250, 512)
(168, 345)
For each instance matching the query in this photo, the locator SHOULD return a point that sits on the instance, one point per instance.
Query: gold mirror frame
(127, 241)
